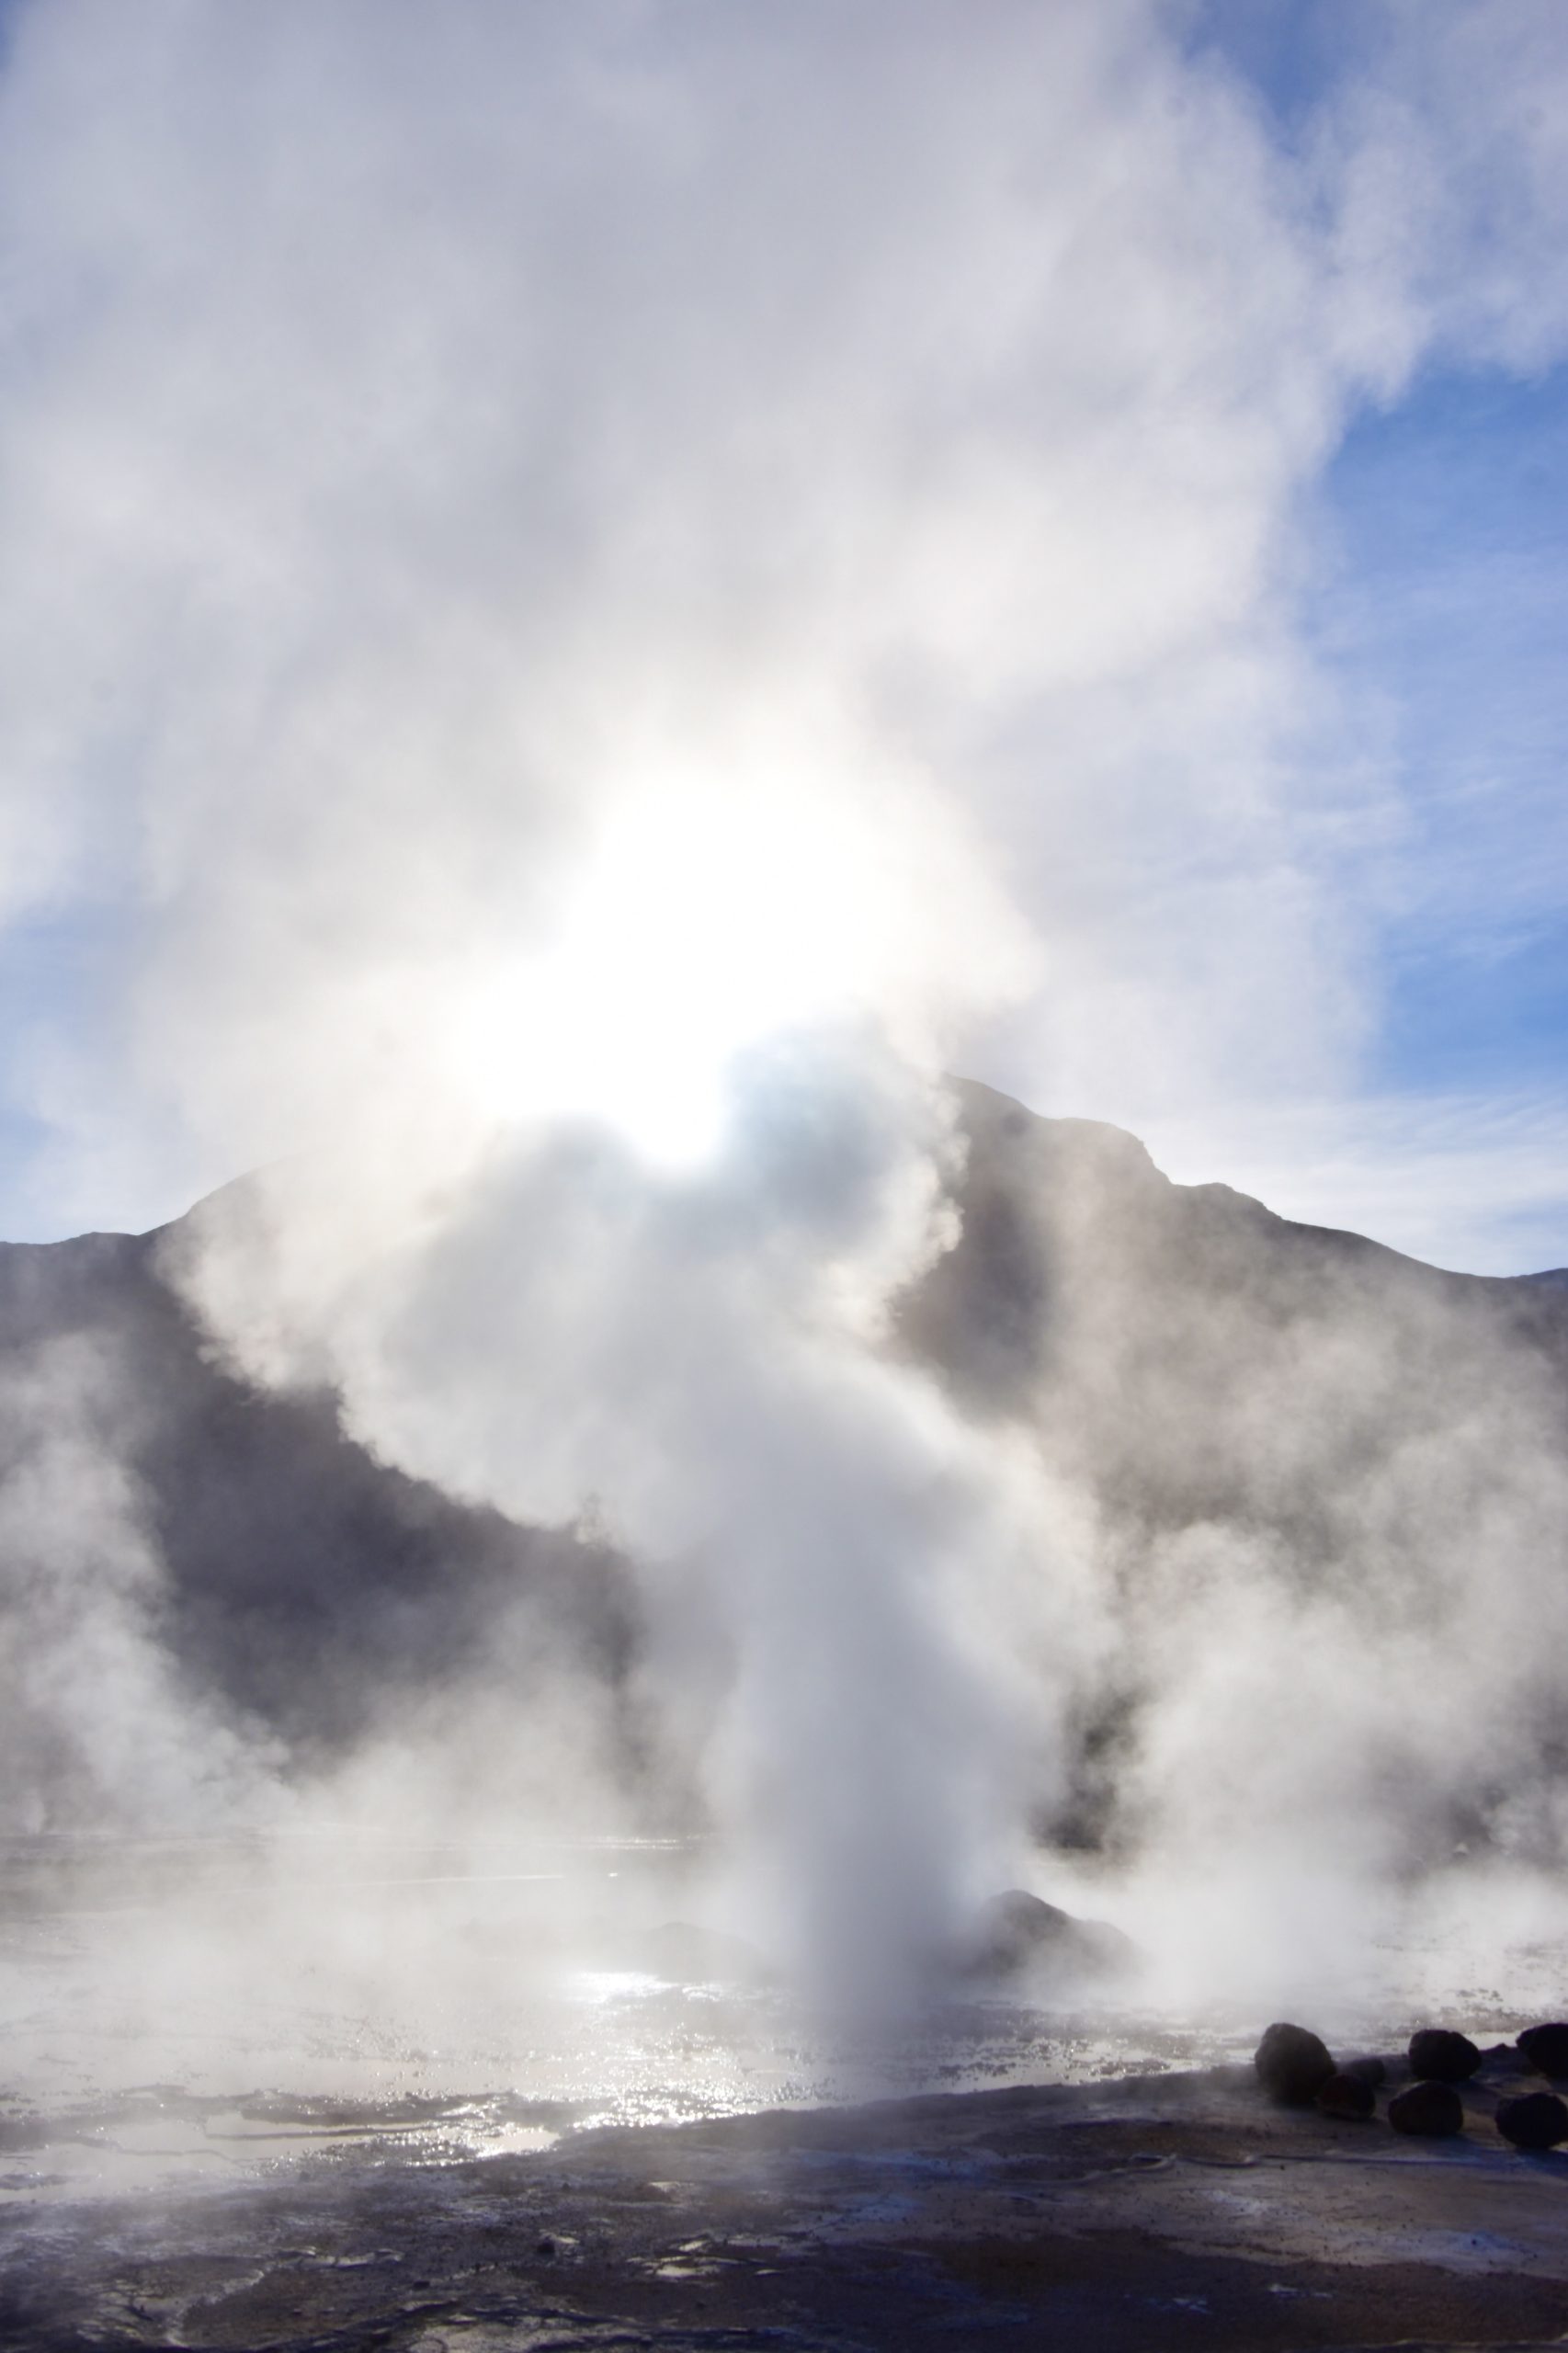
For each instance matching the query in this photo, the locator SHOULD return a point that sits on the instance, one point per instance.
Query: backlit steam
(603, 593)
(741, 892)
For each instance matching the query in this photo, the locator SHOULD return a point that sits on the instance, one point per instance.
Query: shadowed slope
(1237, 1398)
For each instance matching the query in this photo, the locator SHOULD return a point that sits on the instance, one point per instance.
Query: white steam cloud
(593, 598)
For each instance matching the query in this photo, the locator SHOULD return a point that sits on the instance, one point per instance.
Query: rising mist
(603, 598)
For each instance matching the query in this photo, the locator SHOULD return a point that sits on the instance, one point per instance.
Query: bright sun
(699, 926)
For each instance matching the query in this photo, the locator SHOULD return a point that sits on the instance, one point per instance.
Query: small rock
(1369, 2070)
(1538, 2121)
(1350, 2097)
(1546, 2047)
(1501, 2061)
(1431, 2110)
(546, 2247)
(1293, 2065)
(1437, 2055)
(1017, 1931)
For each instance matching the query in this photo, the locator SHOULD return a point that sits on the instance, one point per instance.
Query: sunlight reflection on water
(191, 2013)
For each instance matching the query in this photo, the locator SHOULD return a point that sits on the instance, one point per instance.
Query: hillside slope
(1238, 1405)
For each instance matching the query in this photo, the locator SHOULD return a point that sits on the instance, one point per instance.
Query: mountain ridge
(1309, 1407)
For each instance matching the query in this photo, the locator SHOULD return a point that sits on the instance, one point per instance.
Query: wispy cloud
(891, 430)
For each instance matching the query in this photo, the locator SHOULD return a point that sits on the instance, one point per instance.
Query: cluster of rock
(1296, 2069)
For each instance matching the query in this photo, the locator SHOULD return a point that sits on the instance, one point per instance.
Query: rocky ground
(1154, 2212)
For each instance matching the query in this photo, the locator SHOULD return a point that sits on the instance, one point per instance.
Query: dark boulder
(1369, 2070)
(1293, 2065)
(1016, 1931)
(1347, 2096)
(1437, 2055)
(1434, 2110)
(1546, 2047)
(1537, 2121)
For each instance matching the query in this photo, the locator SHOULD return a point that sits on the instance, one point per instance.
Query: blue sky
(1442, 608)
(1291, 51)
(1442, 614)
(1435, 607)
(1449, 515)
(1422, 950)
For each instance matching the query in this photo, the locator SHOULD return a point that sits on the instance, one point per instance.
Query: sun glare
(695, 930)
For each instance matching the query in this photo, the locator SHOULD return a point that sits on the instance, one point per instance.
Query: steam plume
(604, 593)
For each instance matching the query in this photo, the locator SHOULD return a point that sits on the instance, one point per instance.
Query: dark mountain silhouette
(1183, 1355)
(305, 1580)
(1151, 1326)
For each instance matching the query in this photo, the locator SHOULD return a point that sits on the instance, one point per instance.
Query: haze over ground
(593, 599)
(1285, 1649)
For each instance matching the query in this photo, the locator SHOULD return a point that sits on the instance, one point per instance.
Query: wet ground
(345, 2096)
(1164, 2212)
(181, 2012)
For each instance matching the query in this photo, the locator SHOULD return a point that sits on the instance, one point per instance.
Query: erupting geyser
(630, 629)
